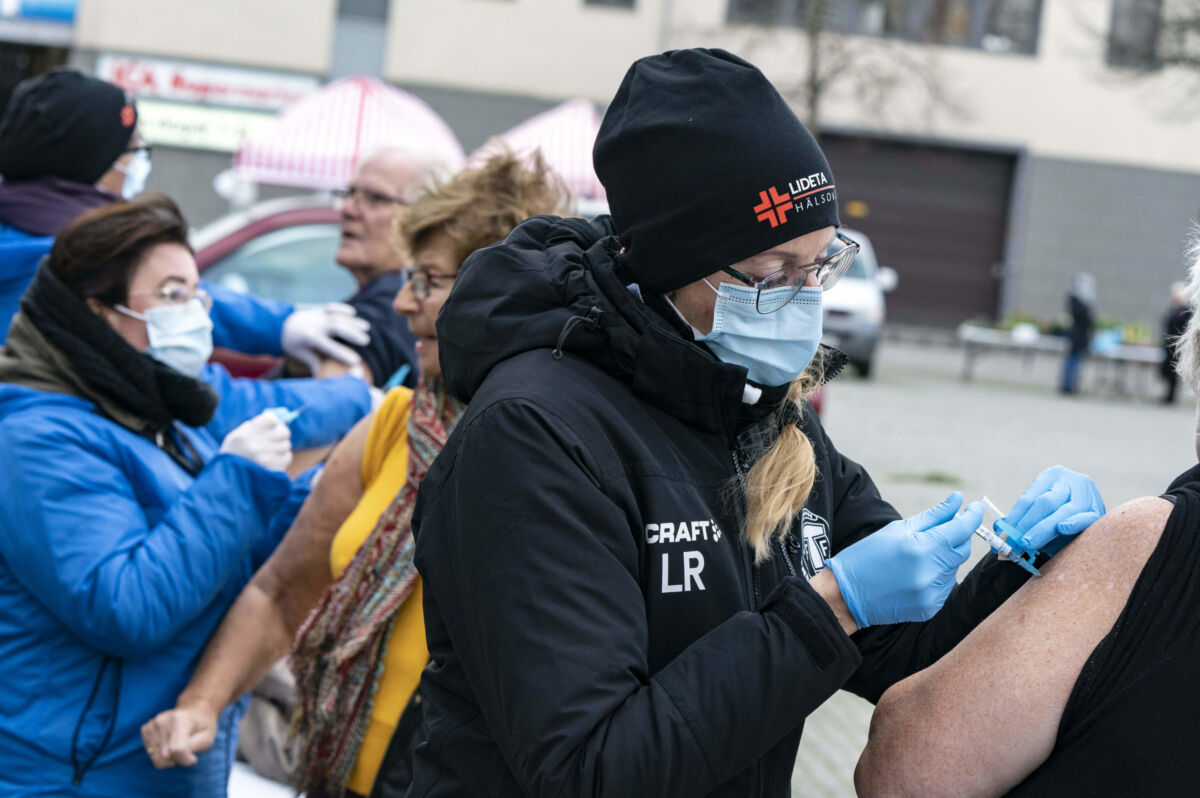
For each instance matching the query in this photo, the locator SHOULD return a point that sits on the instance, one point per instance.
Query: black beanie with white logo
(705, 165)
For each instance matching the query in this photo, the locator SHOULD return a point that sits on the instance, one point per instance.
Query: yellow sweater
(385, 461)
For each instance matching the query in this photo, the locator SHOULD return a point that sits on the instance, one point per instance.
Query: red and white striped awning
(317, 142)
(565, 134)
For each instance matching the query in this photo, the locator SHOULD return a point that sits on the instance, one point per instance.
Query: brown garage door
(936, 215)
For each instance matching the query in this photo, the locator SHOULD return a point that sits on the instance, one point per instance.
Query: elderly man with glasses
(368, 250)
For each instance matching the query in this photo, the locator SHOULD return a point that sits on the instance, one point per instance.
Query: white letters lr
(693, 564)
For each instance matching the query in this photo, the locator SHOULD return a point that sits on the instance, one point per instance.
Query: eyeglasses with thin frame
(425, 283)
(178, 294)
(143, 147)
(372, 198)
(778, 288)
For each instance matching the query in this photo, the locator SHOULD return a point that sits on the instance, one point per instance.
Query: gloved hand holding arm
(1058, 505)
(264, 439)
(309, 335)
(905, 571)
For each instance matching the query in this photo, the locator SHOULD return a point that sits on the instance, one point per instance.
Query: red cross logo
(774, 209)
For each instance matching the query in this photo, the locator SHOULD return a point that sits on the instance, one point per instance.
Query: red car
(817, 399)
(279, 249)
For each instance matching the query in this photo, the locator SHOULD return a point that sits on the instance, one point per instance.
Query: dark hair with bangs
(97, 253)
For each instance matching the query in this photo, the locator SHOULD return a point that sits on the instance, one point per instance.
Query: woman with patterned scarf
(357, 656)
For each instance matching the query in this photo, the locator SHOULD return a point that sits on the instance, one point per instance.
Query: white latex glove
(264, 439)
(308, 335)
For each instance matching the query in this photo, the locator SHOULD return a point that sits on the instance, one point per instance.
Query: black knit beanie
(64, 124)
(705, 165)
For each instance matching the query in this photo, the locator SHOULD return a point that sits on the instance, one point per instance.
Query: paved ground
(245, 783)
(922, 432)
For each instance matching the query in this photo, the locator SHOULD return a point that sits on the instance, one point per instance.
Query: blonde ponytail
(778, 485)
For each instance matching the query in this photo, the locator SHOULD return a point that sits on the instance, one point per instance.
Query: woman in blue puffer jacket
(138, 499)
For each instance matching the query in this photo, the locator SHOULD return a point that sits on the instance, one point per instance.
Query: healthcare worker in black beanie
(645, 562)
(70, 143)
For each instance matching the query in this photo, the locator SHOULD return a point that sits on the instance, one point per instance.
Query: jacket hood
(555, 283)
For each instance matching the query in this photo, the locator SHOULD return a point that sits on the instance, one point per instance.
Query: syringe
(288, 416)
(1005, 547)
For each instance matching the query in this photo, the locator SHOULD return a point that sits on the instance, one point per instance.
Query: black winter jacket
(1082, 324)
(596, 625)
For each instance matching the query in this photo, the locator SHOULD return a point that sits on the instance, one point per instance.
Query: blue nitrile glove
(1058, 505)
(905, 571)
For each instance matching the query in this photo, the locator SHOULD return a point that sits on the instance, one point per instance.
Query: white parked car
(854, 308)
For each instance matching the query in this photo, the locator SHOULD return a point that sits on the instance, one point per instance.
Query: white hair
(1083, 287)
(421, 170)
(1189, 342)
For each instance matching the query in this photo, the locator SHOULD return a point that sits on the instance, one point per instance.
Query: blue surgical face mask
(180, 335)
(774, 347)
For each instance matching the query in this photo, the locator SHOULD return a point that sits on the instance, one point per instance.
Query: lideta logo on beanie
(805, 192)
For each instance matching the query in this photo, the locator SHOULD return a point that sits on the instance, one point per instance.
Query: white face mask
(136, 172)
(180, 335)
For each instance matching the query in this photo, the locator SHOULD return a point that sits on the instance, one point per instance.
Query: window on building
(613, 3)
(765, 12)
(359, 38)
(366, 9)
(1012, 26)
(1133, 33)
(993, 25)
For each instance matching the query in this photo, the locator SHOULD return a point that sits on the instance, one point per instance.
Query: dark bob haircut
(97, 253)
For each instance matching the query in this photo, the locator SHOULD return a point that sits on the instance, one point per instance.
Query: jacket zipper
(786, 558)
(759, 782)
(81, 768)
(748, 565)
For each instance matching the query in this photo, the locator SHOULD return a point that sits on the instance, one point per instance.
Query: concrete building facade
(1102, 174)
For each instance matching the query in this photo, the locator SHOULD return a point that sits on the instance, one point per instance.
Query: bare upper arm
(335, 368)
(298, 572)
(980, 719)
(304, 459)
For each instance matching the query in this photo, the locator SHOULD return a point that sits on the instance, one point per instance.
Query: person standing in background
(1081, 304)
(1174, 324)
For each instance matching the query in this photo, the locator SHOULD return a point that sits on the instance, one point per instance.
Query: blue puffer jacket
(241, 322)
(20, 254)
(116, 566)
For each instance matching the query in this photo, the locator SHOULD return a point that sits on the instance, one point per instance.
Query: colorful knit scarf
(338, 654)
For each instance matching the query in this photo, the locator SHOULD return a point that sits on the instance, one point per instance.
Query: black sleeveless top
(1132, 724)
